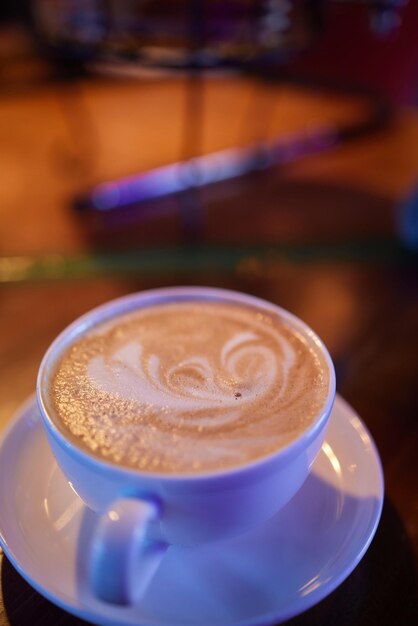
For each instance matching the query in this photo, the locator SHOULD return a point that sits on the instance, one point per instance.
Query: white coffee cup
(140, 514)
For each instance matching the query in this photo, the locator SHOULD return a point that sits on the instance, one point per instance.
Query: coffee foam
(188, 387)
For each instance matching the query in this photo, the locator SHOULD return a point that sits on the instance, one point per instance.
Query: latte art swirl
(190, 386)
(194, 385)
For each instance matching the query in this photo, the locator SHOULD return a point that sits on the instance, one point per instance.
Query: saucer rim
(84, 612)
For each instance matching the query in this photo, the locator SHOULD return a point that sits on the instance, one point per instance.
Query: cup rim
(150, 297)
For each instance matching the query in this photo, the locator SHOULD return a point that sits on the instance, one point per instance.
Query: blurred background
(268, 146)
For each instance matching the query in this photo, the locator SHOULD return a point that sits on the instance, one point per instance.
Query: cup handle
(122, 559)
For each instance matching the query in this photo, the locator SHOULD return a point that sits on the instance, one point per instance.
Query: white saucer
(264, 577)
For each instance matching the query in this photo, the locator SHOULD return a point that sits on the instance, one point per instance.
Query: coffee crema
(188, 387)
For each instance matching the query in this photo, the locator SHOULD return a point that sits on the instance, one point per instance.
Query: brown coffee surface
(188, 387)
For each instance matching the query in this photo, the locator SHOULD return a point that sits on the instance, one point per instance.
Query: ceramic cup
(140, 514)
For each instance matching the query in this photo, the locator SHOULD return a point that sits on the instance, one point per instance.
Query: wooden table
(350, 280)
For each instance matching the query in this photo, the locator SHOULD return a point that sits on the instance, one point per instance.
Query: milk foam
(190, 386)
